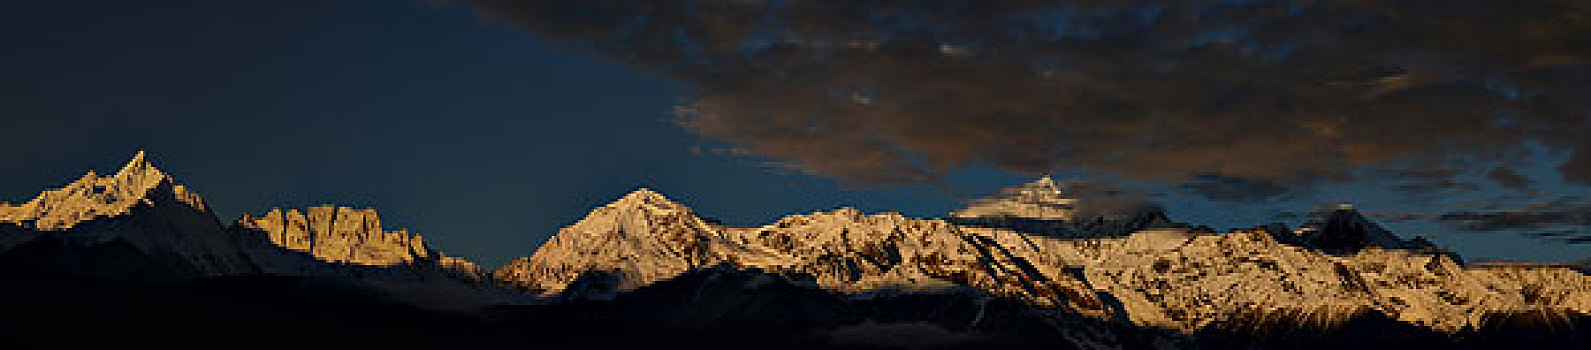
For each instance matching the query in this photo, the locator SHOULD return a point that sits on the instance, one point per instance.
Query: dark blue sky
(475, 135)
(482, 136)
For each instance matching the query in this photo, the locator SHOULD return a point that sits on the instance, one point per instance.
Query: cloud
(1435, 186)
(1275, 93)
(1521, 219)
(1509, 178)
(1566, 219)
(1229, 188)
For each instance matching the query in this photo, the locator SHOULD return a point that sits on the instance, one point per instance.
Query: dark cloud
(1398, 217)
(1564, 219)
(1426, 171)
(1509, 178)
(1520, 219)
(1230, 188)
(1435, 186)
(1275, 93)
(1109, 202)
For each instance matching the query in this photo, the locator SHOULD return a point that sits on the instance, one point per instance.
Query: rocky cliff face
(138, 214)
(330, 240)
(340, 235)
(1156, 275)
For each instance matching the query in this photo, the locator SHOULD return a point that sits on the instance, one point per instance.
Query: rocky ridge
(644, 238)
(1160, 275)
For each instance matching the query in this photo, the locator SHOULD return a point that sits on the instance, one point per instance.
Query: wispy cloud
(1565, 219)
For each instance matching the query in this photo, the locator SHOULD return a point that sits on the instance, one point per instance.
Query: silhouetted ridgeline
(135, 259)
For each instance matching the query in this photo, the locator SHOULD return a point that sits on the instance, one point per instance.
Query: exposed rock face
(139, 213)
(330, 237)
(342, 235)
(1164, 276)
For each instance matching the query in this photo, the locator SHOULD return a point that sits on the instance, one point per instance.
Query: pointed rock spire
(139, 163)
(93, 196)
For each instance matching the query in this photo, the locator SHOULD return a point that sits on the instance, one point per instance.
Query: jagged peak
(138, 173)
(93, 195)
(1041, 199)
(139, 164)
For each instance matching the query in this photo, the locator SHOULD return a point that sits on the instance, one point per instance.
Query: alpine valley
(136, 260)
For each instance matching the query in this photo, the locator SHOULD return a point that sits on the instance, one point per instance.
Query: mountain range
(141, 259)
